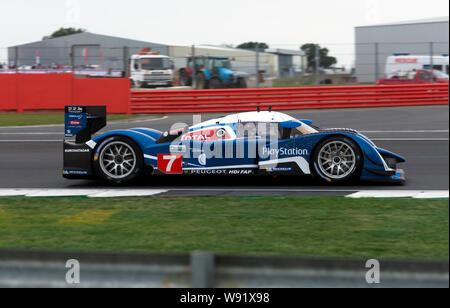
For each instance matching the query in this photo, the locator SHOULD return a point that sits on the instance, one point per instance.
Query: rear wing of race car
(82, 122)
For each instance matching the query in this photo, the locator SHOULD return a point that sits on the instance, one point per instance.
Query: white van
(407, 63)
(151, 69)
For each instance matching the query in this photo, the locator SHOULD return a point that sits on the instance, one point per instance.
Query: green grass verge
(326, 227)
(17, 119)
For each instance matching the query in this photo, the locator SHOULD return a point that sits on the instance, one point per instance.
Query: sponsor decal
(222, 171)
(280, 169)
(202, 159)
(177, 148)
(76, 172)
(407, 61)
(75, 109)
(211, 134)
(75, 123)
(78, 117)
(76, 150)
(284, 152)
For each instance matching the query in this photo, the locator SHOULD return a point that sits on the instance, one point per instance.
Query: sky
(280, 23)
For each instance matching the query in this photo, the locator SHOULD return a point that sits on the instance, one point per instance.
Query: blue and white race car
(250, 143)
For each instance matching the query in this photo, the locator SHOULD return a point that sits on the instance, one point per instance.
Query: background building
(113, 53)
(80, 49)
(375, 43)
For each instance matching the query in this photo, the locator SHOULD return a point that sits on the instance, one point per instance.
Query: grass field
(338, 227)
(16, 119)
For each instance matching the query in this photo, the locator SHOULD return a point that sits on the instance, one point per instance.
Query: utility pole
(431, 61)
(16, 57)
(377, 68)
(194, 70)
(257, 64)
(317, 64)
(126, 61)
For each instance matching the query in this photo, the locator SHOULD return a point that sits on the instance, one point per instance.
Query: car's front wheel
(118, 160)
(337, 160)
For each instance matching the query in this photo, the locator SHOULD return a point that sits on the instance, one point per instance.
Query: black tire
(201, 82)
(242, 83)
(185, 80)
(111, 153)
(350, 156)
(215, 83)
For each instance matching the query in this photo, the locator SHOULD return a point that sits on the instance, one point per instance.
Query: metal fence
(356, 63)
(206, 270)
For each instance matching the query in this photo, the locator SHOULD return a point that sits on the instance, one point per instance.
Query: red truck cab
(415, 77)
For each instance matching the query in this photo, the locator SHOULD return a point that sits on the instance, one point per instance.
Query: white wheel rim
(117, 160)
(337, 159)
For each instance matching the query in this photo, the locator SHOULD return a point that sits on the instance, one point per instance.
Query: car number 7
(170, 164)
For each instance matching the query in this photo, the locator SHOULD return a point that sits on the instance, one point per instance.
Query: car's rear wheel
(338, 160)
(118, 160)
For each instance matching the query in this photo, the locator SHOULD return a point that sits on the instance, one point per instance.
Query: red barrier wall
(8, 92)
(32, 92)
(110, 92)
(233, 100)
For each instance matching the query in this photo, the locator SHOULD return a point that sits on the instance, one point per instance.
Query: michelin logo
(280, 169)
(284, 152)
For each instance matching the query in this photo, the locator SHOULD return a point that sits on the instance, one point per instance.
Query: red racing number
(170, 163)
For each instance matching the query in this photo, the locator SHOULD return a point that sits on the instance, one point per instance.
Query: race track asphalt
(31, 157)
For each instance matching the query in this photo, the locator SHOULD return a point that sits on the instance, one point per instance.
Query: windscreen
(155, 64)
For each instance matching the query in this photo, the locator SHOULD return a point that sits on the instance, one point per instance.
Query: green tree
(253, 45)
(326, 61)
(64, 32)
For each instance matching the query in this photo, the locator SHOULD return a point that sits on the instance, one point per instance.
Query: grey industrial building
(375, 43)
(80, 49)
(112, 53)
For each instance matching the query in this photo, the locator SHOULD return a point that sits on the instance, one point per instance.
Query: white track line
(417, 194)
(409, 139)
(5, 141)
(114, 193)
(92, 193)
(110, 123)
